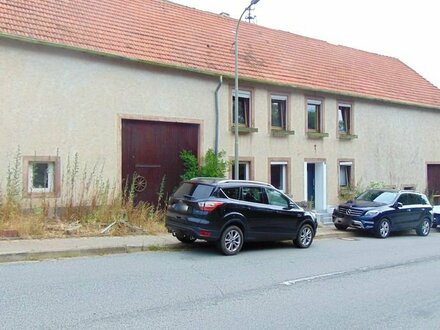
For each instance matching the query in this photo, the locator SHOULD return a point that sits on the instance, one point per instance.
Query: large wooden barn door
(150, 154)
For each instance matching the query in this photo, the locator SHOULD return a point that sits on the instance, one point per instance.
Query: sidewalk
(38, 249)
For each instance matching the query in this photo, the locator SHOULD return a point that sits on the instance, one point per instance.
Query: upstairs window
(314, 115)
(344, 118)
(278, 111)
(244, 98)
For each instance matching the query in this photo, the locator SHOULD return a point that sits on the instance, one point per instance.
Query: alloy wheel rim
(232, 240)
(306, 236)
(425, 227)
(384, 228)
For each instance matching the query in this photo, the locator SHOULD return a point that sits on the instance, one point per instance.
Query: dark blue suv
(383, 211)
(230, 212)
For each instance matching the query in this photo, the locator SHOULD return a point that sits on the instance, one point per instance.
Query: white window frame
(283, 187)
(247, 169)
(50, 177)
(348, 122)
(245, 95)
(343, 173)
(277, 97)
(319, 114)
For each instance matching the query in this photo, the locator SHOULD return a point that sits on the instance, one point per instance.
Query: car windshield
(194, 191)
(379, 196)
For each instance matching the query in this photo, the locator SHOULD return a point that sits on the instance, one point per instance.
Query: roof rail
(223, 180)
(206, 178)
(246, 181)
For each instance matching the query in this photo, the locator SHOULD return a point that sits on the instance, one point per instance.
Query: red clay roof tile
(162, 32)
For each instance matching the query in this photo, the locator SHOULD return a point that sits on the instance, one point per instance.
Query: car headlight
(372, 213)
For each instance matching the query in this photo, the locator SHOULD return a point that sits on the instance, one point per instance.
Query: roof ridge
(166, 33)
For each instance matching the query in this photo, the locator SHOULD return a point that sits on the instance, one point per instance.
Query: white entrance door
(315, 187)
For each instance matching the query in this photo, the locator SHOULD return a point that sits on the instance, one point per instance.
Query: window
(278, 175)
(243, 108)
(252, 194)
(278, 111)
(344, 118)
(345, 174)
(314, 115)
(233, 193)
(243, 171)
(276, 198)
(196, 191)
(41, 176)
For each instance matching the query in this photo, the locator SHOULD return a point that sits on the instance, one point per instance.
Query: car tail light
(205, 233)
(209, 206)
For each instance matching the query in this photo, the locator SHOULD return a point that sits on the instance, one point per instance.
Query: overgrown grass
(88, 203)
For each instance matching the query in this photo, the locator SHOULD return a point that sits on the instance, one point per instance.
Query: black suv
(382, 211)
(230, 212)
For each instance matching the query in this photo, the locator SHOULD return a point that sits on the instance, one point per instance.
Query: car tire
(340, 227)
(231, 241)
(383, 228)
(434, 225)
(184, 238)
(424, 227)
(304, 236)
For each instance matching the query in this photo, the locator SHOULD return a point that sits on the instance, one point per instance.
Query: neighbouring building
(123, 86)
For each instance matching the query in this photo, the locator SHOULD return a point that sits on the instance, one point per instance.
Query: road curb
(123, 249)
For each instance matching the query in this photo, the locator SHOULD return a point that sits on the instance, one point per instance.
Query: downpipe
(216, 137)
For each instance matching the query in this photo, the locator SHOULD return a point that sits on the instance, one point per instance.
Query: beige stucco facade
(58, 102)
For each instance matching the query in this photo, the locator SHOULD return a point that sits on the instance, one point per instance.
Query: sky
(408, 30)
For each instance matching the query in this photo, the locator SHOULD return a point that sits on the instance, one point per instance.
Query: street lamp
(236, 161)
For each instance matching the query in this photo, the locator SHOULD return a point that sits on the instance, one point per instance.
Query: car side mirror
(290, 206)
(398, 205)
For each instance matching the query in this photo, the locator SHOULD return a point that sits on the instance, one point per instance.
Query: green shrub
(214, 166)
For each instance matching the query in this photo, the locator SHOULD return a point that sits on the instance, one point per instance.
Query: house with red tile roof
(125, 86)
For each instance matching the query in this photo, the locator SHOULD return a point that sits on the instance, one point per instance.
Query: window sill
(281, 132)
(316, 135)
(41, 195)
(347, 136)
(244, 129)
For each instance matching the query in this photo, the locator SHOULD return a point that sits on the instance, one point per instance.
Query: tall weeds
(88, 199)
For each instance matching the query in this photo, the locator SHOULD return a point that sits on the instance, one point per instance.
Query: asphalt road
(359, 283)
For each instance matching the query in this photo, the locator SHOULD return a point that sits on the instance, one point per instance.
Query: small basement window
(41, 176)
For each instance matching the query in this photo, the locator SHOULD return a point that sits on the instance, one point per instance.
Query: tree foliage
(213, 166)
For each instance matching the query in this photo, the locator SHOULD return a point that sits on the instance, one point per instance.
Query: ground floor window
(345, 173)
(243, 171)
(42, 175)
(278, 175)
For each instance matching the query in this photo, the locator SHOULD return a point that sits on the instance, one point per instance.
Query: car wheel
(184, 238)
(304, 237)
(434, 225)
(340, 227)
(423, 228)
(231, 241)
(383, 228)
